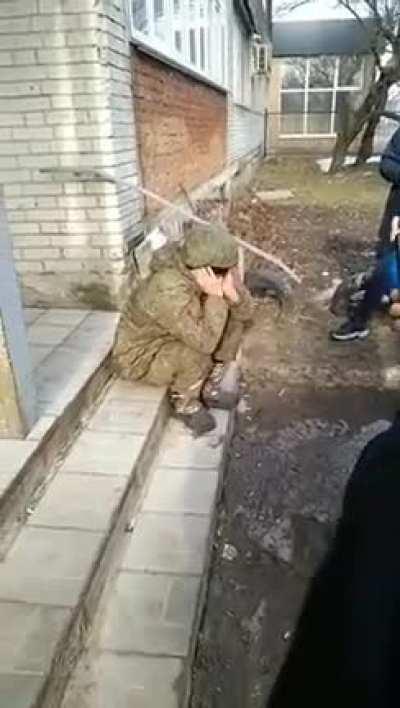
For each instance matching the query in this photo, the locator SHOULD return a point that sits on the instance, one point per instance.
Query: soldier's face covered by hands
(231, 285)
(220, 282)
(209, 282)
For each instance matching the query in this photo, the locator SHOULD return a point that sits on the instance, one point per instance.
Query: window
(191, 32)
(242, 66)
(159, 19)
(139, 15)
(313, 90)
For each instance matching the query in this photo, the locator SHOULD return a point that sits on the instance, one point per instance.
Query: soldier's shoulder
(170, 281)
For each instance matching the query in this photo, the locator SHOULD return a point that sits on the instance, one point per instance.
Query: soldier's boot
(193, 414)
(221, 388)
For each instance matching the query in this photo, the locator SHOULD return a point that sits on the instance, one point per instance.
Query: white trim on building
(191, 33)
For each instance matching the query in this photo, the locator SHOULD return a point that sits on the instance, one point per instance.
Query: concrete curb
(202, 600)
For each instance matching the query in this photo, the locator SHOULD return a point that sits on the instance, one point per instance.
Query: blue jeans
(383, 280)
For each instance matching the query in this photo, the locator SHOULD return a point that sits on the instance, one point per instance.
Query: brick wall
(181, 128)
(66, 104)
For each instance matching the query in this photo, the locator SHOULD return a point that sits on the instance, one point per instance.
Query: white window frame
(334, 90)
(212, 23)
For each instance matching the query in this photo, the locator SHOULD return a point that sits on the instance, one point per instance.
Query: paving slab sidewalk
(148, 628)
(49, 573)
(70, 353)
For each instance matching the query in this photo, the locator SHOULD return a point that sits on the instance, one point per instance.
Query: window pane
(292, 124)
(293, 102)
(344, 104)
(320, 102)
(159, 18)
(139, 15)
(322, 72)
(178, 40)
(202, 48)
(192, 46)
(319, 124)
(223, 54)
(292, 107)
(294, 73)
(350, 71)
(319, 112)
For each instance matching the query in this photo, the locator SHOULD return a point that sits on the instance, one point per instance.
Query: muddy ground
(308, 408)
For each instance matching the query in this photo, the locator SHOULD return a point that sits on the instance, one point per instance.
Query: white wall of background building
(248, 93)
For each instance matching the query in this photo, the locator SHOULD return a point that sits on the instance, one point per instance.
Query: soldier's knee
(202, 362)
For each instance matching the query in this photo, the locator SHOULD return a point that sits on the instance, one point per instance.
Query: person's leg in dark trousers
(357, 326)
(392, 209)
(372, 299)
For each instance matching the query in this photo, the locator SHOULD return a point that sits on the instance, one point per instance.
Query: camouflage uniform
(170, 332)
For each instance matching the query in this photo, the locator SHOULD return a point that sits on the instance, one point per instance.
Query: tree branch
(292, 5)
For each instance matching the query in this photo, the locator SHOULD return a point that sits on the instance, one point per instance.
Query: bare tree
(380, 20)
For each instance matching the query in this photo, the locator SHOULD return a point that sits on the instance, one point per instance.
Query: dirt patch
(308, 408)
(289, 461)
(322, 243)
(354, 188)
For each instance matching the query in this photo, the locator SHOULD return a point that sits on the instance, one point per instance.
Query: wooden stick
(177, 208)
(268, 257)
(244, 244)
(187, 197)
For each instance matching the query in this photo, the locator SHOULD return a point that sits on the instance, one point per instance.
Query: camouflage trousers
(185, 370)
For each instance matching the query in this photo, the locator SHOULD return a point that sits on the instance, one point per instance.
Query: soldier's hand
(229, 287)
(208, 281)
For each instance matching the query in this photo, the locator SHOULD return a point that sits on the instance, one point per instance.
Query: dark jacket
(390, 171)
(346, 651)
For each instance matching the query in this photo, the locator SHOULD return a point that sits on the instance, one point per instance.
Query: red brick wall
(181, 127)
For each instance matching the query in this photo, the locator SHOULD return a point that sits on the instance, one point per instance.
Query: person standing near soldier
(184, 323)
(386, 276)
(345, 651)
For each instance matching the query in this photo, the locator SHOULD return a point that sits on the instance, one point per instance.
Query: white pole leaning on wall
(17, 390)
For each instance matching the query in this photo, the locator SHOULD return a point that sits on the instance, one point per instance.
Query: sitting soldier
(185, 322)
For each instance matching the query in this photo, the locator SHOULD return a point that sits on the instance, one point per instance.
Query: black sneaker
(350, 331)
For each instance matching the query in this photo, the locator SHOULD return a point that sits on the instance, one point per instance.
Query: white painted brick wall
(245, 123)
(245, 133)
(65, 102)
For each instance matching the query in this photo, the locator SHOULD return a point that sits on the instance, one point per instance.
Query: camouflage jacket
(167, 307)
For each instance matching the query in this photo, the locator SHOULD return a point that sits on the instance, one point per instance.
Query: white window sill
(175, 64)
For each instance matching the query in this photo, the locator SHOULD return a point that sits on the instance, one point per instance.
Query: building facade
(99, 98)
(321, 58)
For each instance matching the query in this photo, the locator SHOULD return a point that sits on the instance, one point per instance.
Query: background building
(321, 54)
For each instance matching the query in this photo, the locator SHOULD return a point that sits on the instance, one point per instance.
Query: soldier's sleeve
(179, 310)
(244, 310)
